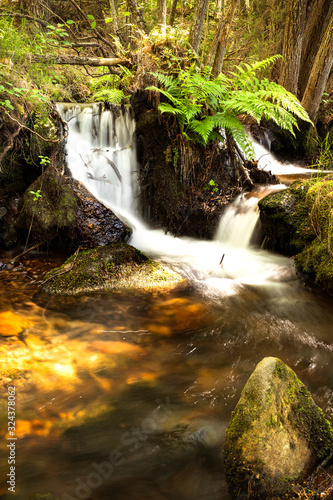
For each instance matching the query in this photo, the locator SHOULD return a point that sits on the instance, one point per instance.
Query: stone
(117, 266)
(276, 435)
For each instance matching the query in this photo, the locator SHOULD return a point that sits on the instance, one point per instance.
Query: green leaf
(90, 16)
(93, 25)
(108, 20)
(70, 21)
(8, 104)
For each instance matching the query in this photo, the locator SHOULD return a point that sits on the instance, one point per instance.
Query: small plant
(44, 161)
(212, 186)
(37, 194)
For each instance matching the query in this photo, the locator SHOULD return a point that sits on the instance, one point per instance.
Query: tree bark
(78, 60)
(197, 24)
(318, 19)
(161, 13)
(223, 40)
(114, 15)
(137, 15)
(320, 73)
(173, 12)
(292, 44)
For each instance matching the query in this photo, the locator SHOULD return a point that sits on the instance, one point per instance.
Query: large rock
(276, 435)
(298, 221)
(58, 208)
(116, 266)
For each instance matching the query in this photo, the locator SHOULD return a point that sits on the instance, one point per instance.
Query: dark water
(127, 396)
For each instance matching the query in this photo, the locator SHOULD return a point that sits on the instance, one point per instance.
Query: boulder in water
(276, 435)
(116, 266)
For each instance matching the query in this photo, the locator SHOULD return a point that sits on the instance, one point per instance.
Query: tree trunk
(292, 44)
(114, 15)
(197, 24)
(318, 19)
(223, 40)
(161, 13)
(137, 15)
(77, 60)
(320, 73)
(173, 12)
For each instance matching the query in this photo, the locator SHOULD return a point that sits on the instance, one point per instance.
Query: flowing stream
(127, 396)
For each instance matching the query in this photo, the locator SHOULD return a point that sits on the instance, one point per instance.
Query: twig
(69, 268)
(11, 143)
(26, 251)
(33, 131)
(220, 264)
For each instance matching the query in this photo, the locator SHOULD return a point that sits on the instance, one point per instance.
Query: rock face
(116, 266)
(298, 221)
(58, 208)
(276, 435)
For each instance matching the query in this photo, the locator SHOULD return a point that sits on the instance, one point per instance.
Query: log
(78, 60)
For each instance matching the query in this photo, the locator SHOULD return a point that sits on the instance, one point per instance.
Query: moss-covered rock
(47, 206)
(299, 222)
(276, 435)
(116, 266)
(284, 219)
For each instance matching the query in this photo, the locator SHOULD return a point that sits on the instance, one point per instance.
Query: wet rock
(297, 222)
(276, 435)
(59, 209)
(116, 266)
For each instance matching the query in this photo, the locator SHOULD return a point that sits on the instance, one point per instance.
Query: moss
(111, 267)
(299, 221)
(54, 209)
(291, 411)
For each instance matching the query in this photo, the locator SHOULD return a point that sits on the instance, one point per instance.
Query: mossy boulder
(284, 219)
(116, 266)
(276, 435)
(299, 222)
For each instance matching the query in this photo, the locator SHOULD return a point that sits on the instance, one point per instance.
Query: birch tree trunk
(223, 40)
(320, 73)
(292, 44)
(197, 24)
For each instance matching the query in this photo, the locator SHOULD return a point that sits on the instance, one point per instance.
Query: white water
(101, 155)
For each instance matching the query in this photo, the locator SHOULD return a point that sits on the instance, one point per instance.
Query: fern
(115, 96)
(204, 106)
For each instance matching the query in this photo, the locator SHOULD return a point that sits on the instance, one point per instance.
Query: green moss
(110, 267)
(53, 210)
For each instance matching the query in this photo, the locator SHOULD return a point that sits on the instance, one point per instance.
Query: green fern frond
(115, 96)
(205, 106)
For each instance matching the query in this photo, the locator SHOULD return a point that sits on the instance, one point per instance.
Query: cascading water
(101, 154)
(129, 395)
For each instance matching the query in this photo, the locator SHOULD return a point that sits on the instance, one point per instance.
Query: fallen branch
(78, 60)
(25, 16)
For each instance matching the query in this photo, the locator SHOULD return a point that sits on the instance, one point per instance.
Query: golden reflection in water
(50, 356)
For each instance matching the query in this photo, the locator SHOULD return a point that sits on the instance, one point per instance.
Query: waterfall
(101, 154)
(238, 223)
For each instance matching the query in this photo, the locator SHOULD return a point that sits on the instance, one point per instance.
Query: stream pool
(129, 395)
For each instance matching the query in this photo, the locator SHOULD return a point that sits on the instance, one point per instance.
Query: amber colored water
(127, 396)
